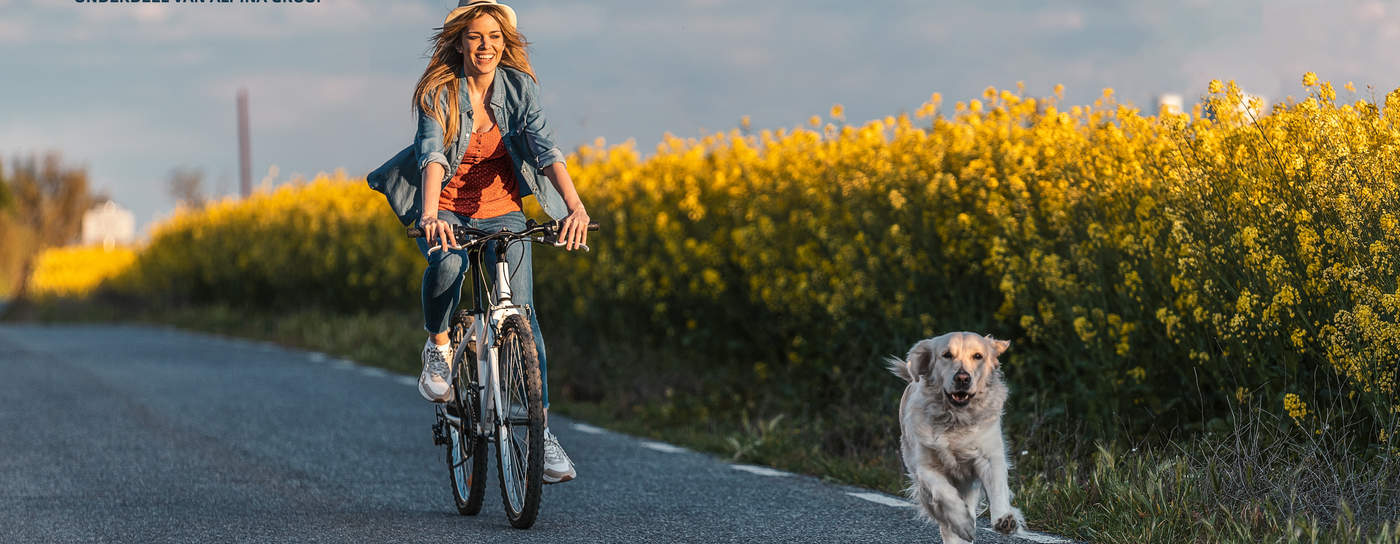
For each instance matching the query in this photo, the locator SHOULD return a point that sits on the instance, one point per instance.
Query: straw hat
(464, 5)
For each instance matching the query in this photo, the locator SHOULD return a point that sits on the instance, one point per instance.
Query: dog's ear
(921, 358)
(998, 345)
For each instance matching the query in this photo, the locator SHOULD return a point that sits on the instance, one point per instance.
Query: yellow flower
(896, 199)
(1297, 409)
(1309, 79)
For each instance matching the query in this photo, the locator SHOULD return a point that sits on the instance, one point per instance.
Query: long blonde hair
(441, 75)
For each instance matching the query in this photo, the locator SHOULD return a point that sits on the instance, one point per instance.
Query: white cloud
(114, 132)
(150, 13)
(1060, 20)
(182, 23)
(561, 22)
(12, 31)
(1371, 10)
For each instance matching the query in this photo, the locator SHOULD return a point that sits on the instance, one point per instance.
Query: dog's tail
(899, 367)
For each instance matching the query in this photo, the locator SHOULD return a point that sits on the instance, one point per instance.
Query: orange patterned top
(484, 185)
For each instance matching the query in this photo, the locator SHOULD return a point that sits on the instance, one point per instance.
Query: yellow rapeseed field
(1142, 263)
(322, 242)
(76, 271)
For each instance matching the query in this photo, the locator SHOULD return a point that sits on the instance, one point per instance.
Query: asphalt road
(135, 434)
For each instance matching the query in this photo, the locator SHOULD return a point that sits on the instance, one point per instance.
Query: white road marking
(761, 471)
(317, 357)
(666, 448)
(1034, 537)
(588, 428)
(1044, 538)
(372, 371)
(882, 499)
(407, 380)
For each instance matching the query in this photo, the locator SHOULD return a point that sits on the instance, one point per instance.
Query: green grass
(1258, 480)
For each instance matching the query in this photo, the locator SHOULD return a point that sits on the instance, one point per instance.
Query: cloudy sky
(133, 90)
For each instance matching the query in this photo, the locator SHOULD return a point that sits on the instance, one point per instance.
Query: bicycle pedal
(439, 433)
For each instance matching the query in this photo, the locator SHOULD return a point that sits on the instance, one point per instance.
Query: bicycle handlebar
(475, 236)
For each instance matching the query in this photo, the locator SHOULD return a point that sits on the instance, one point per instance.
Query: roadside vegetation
(1203, 307)
(42, 201)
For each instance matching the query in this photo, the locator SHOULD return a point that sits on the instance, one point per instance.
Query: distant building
(1254, 104)
(109, 224)
(1252, 107)
(1170, 103)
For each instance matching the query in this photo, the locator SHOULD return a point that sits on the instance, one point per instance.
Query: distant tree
(5, 199)
(50, 198)
(46, 201)
(187, 187)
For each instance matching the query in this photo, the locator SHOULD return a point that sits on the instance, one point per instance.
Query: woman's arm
(434, 228)
(430, 144)
(540, 151)
(575, 231)
(432, 164)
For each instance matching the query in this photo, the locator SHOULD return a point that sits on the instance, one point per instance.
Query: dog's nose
(962, 378)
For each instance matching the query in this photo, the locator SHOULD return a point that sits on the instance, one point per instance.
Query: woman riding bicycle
(482, 145)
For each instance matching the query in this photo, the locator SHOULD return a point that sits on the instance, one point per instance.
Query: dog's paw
(965, 528)
(1006, 525)
(1009, 523)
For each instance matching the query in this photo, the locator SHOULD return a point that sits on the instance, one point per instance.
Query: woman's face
(482, 44)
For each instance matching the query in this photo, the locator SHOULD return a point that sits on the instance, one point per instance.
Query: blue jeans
(442, 280)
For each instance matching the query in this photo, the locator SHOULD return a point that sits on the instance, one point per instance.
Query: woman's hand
(434, 228)
(574, 233)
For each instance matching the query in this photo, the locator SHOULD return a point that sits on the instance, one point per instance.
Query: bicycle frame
(498, 309)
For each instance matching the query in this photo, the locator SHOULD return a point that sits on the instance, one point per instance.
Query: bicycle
(471, 420)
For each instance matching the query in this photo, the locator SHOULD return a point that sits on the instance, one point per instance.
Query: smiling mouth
(959, 398)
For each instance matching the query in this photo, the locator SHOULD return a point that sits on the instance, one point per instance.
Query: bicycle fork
(493, 358)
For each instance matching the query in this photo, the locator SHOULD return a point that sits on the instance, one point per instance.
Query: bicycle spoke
(519, 456)
(459, 462)
(515, 406)
(466, 459)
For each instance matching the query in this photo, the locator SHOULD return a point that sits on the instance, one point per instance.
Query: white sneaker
(433, 383)
(557, 466)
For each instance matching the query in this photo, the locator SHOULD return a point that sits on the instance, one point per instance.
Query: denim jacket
(529, 142)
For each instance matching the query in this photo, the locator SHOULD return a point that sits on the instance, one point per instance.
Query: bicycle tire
(520, 460)
(466, 451)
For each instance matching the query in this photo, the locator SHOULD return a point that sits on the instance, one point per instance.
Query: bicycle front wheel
(520, 436)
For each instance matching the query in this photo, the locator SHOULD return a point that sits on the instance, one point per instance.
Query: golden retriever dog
(951, 441)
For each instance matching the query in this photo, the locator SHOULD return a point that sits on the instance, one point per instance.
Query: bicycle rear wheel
(520, 437)
(466, 451)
